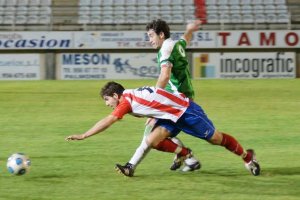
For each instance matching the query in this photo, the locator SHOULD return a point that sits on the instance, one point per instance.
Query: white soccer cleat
(191, 164)
(253, 165)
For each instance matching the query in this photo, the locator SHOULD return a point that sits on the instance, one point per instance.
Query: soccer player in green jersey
(174, 77)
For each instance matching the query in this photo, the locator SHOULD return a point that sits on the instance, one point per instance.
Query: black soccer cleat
(177, 162)
(126, 170)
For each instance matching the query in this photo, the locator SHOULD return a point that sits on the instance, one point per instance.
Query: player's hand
(194, 25)
(75, 137)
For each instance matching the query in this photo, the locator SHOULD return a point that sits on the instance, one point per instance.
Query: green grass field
(36, 116)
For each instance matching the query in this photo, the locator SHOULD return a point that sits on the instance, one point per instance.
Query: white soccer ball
(18, 164)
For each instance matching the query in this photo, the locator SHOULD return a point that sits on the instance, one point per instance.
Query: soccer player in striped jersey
(174, 113)
(174, 77)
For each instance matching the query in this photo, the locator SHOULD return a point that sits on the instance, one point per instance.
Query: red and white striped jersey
(156, 103)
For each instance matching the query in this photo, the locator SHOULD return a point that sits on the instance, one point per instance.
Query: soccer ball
(18, 164)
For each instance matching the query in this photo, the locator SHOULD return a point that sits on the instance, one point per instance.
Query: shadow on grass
(224, 173)
(49, 177)
(278, 171)
(198, 173)
(281, 171)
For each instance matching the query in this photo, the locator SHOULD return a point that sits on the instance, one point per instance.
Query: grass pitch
(36, 116)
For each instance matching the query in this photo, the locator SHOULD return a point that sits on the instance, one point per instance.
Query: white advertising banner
(139, 39)
(134, 39)
(76, 66)
(244, 65)
(201, 39)
(20, 67)
(36, 40)
(258, 39)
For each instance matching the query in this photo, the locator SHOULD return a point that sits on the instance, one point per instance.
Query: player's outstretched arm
(190, 28)
(97, 128)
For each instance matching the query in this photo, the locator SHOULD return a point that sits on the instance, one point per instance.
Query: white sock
(140, 153)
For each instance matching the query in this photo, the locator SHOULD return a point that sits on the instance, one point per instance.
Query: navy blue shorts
(193, 122)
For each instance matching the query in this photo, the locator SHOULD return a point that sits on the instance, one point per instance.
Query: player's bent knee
(216, 139)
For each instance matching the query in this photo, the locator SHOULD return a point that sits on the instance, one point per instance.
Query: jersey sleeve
(165, 59)
(122, 109)
(182, 42)
(166, 63)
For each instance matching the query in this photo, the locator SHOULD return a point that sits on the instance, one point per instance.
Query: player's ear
(116, 96)
(161, 35)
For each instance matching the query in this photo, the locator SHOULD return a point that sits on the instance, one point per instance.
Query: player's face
(154, 39)
(111, 101)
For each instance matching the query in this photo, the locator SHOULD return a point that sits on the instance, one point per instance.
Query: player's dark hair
(110, 88)
(159, 26)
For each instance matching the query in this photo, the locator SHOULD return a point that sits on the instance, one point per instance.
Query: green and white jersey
(174, 52)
